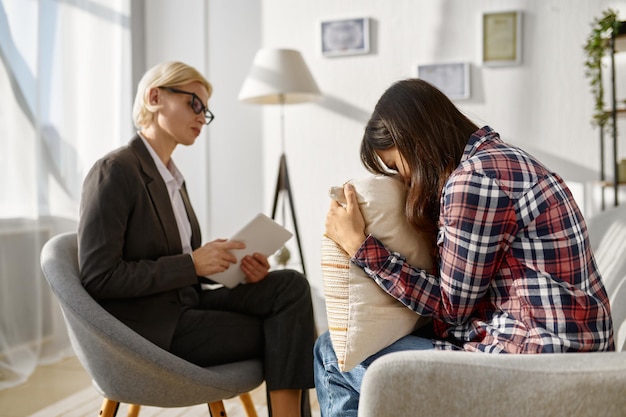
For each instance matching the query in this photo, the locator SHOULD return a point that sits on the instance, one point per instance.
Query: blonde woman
(142, 258)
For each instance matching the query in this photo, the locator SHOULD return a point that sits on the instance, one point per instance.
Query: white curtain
(65, 100)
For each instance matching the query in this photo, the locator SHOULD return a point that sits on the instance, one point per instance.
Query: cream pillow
(362, 317)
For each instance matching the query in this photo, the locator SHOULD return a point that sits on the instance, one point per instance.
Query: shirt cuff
(372, 254)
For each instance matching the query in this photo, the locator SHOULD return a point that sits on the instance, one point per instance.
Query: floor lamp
(280, 76)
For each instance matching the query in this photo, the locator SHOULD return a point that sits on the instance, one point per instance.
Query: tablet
(262, 235)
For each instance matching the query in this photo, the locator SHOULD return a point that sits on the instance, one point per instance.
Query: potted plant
(595, 48)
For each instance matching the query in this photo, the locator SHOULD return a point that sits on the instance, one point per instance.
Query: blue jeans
(338, 392)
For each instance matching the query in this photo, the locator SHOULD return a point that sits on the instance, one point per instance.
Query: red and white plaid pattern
(516, 271)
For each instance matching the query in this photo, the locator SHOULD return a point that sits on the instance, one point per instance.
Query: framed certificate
(502, 38)
(345, 37)
(453, 79)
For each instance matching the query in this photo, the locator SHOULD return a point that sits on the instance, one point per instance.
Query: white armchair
(438, 383)
(607, 232)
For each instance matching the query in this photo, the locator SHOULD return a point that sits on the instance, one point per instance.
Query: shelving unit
(617, 44)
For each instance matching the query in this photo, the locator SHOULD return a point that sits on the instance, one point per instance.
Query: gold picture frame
(502, 38)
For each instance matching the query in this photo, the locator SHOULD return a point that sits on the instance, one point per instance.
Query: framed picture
(452, 79)
(502, 38)
(345, 37)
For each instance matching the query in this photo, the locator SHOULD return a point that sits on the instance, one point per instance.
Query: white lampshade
(279, 76)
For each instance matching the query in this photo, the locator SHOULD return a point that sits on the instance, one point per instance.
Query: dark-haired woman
(516, 271)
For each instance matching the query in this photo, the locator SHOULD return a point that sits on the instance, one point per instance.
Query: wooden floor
(49, 384)
(53, 383)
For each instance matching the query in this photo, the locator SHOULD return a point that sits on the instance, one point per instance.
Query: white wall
(223, 169)
(544, 105)
(177, 31)
(235, 146)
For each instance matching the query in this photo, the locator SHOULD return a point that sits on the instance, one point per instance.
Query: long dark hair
(430, 133)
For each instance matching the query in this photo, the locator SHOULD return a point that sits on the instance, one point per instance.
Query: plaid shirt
(516, 271)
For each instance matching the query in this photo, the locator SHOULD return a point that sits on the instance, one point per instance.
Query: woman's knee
(292, 282)
(323, 351)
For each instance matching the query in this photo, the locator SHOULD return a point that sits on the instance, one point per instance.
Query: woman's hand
(345, 225)
(215, 256)
(255, 266)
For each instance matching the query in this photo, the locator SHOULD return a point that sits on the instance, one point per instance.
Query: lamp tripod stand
(283, 187)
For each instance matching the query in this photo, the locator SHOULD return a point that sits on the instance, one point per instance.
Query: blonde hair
(166, 74)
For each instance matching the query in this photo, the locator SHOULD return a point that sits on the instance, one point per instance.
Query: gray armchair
(127, 368)
(437, 383)
(445, 383)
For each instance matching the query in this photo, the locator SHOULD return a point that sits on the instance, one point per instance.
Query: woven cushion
(362, 317)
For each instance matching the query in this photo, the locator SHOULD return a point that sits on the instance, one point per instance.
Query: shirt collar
(477, 139)
(169, 174)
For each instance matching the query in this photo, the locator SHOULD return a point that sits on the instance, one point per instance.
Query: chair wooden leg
(248, 405)
(133, 410)
(109, 408)
(217, 409)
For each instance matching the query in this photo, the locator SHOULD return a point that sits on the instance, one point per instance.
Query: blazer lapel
(195, 226)
(158, 193)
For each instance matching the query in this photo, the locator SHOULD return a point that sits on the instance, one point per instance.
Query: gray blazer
(129, 248)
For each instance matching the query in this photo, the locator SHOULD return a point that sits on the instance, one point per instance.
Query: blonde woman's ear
(154, 96)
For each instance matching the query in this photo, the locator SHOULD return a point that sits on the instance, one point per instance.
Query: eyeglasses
(195, 104)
